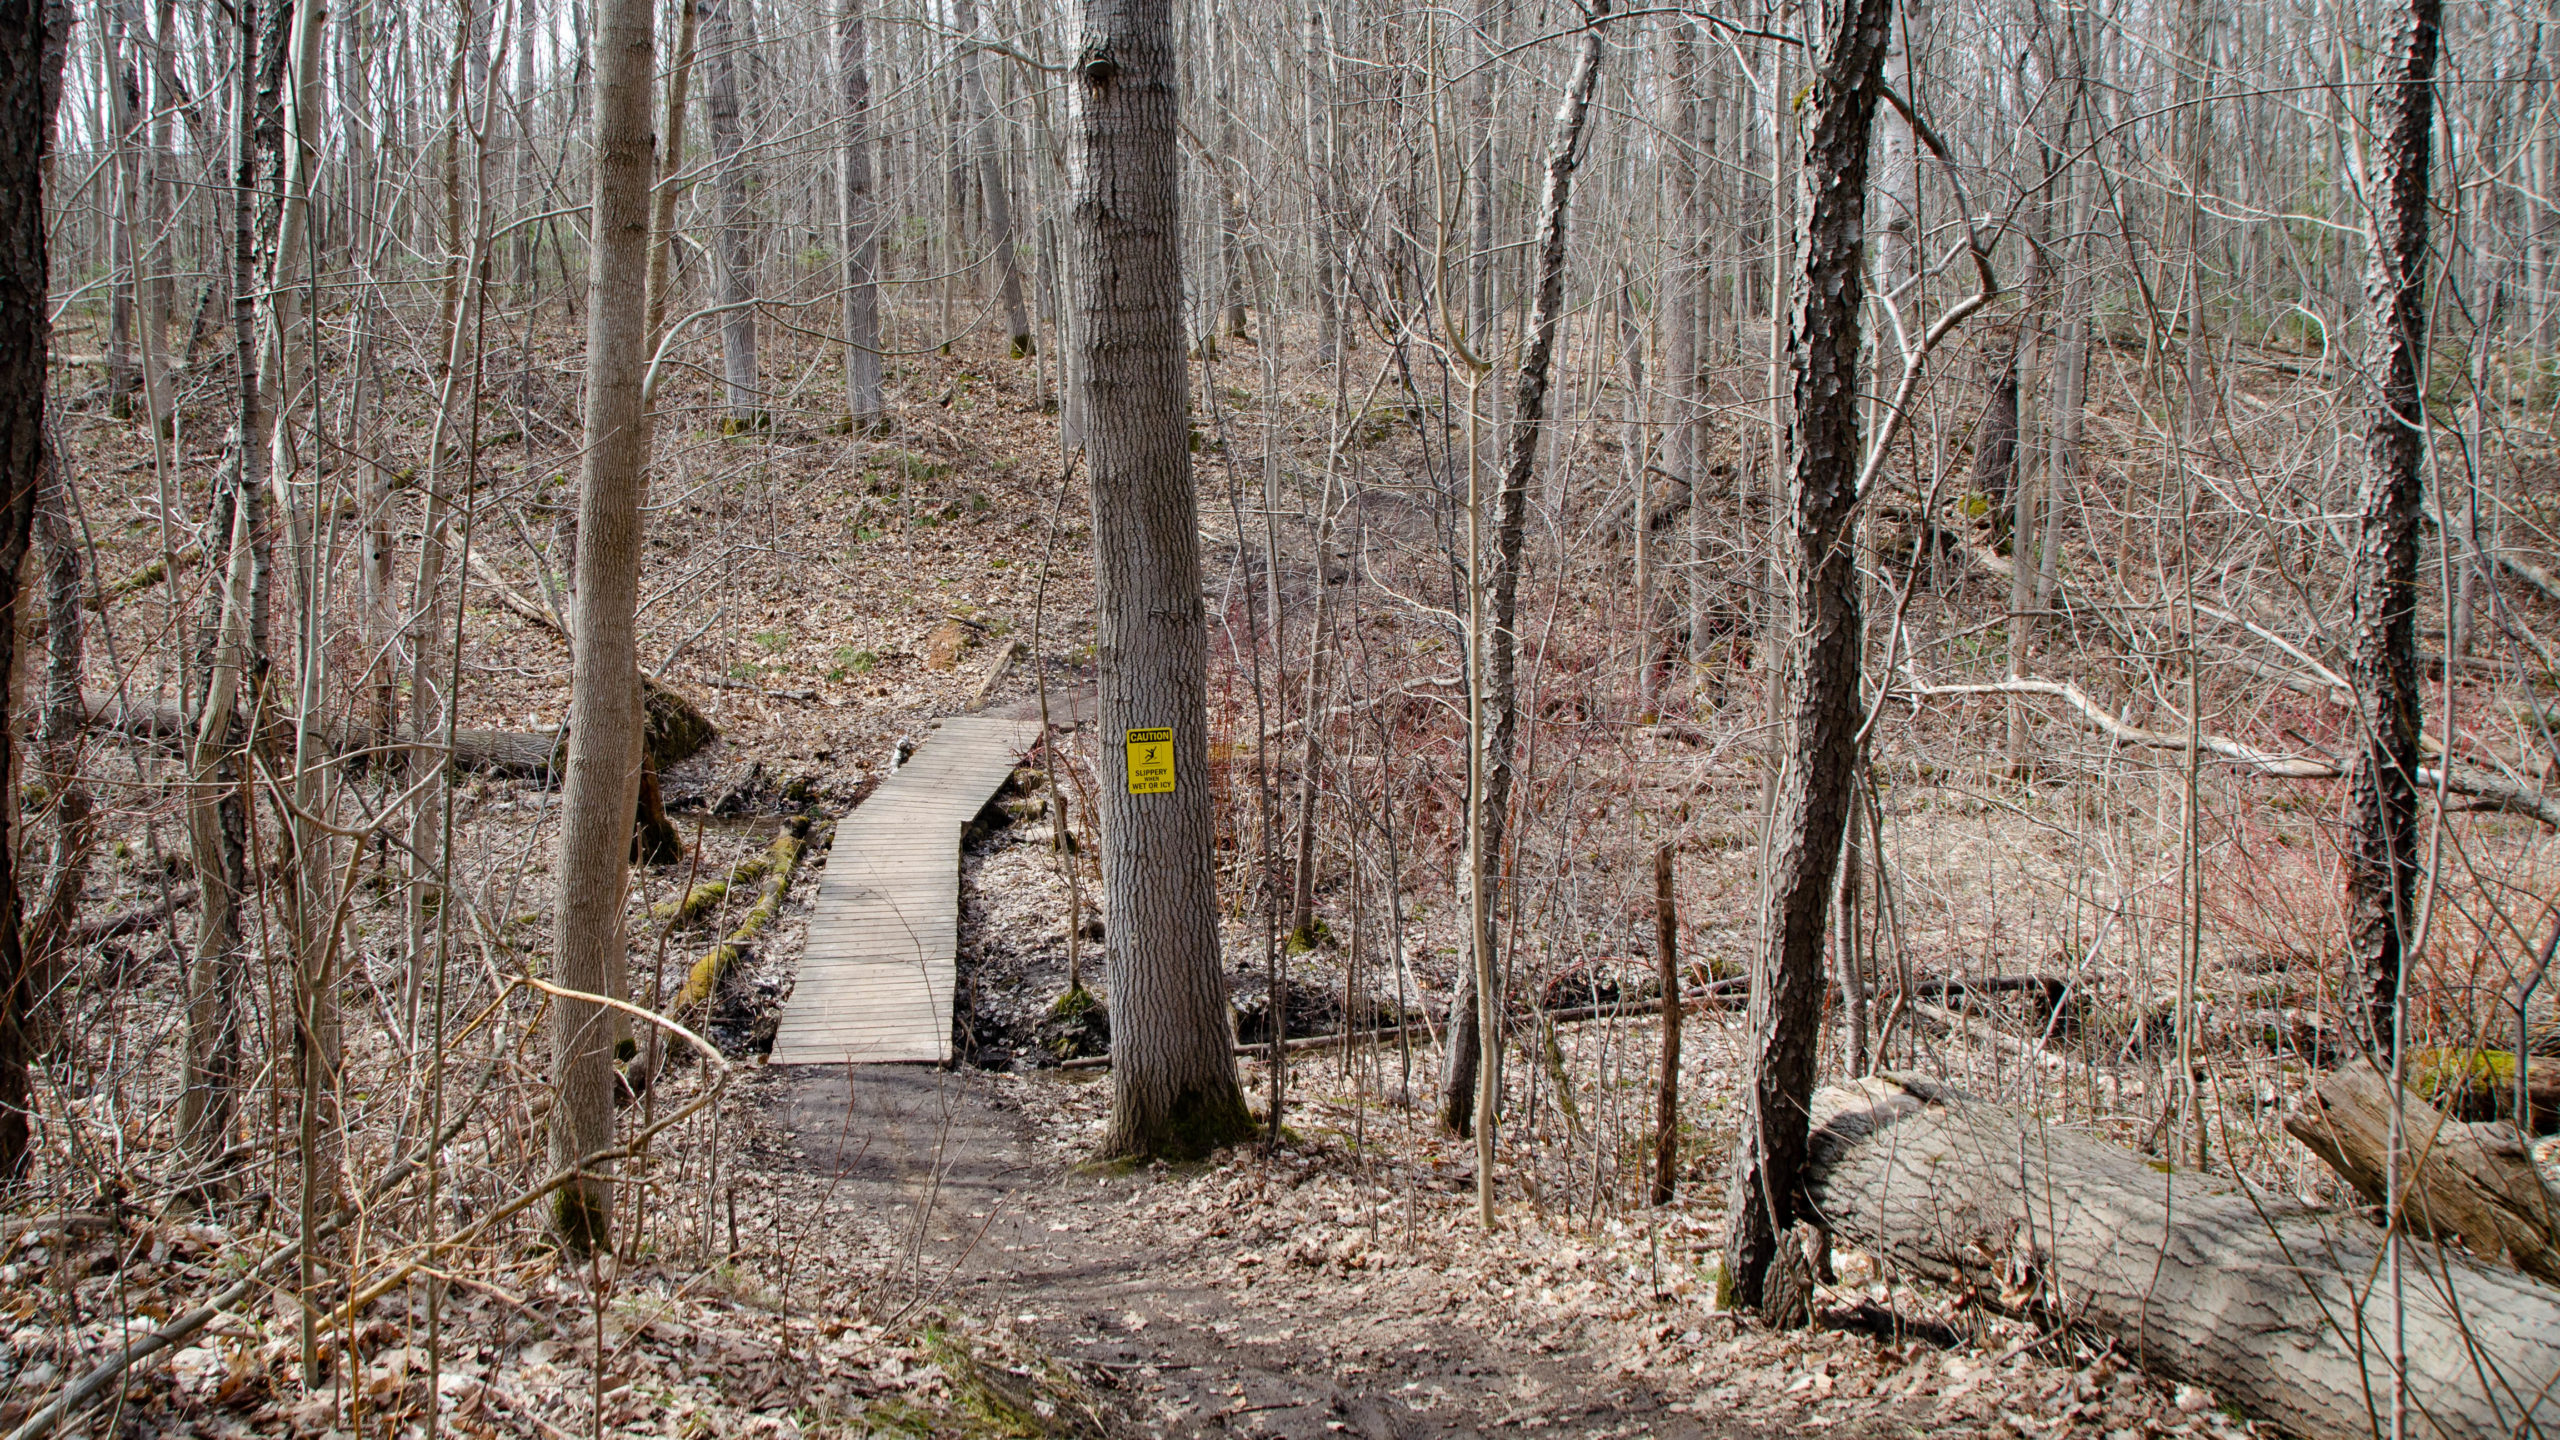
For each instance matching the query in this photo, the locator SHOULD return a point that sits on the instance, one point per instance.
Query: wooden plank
(877, 974)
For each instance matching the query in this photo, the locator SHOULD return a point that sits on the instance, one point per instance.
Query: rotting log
(2282, 1311)
(706, 896)
(677, 729)
(2458, 1182)
(2481, 1084)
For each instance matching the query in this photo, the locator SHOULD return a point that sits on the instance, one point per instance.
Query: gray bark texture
(1787, 977)
(861, 230)
(605, 701)
(737, 239)
(1471, 1046)
(1173, 1074)
(2458, 1182)
(2382, 802)
(987, 140)
(2285, 1312)
(662, 223)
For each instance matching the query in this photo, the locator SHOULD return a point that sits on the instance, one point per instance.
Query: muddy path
(1190, 1323)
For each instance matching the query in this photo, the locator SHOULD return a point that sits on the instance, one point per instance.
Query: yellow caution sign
(1151, 762)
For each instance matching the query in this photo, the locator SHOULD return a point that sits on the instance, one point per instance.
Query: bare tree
(1173, 1076)
(1824, 705)
(234, 666)
(736, 245)
(1471, 1075)
(986, 138)
(602, 782)
(861, 233)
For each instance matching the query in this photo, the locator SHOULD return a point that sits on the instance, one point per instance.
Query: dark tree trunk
(31, 49)
(1813, 804)
(1666, 1102)
(59, 723)
(1995, 445)
(2382, 803)
(1173, 1076)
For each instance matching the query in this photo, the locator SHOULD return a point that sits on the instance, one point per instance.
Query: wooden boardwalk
(877, 979)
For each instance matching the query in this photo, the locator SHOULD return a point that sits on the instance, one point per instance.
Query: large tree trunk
(1173, 1075)
(31, 49)
(2382, 804)
(1787, 977)
(737, 236)
(605, 700)
(861, 239)
(1469, 1074)
(2287, 1313)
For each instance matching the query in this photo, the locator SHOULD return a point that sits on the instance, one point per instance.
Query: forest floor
(1339, 1284)
(1325, 1290)
(917, 1251)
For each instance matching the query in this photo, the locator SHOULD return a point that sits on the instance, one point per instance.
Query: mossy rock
(676, 728)
(1077, 1026)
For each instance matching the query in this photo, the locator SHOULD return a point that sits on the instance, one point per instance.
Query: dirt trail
(1179, 1333)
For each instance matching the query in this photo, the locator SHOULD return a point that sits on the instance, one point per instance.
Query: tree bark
(32, 34)
(1174, 1087)
(662, 202)
(2458, 1182)
(2382, 804)
(861, 239)
(991, 185)
(1469, 1074)
(736, 226)
(2284, 1312)
(1787, 976)
(59, 720)
(605, 700)
(235, 668)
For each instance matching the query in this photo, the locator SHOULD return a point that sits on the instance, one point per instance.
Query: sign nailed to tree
(1151, 762)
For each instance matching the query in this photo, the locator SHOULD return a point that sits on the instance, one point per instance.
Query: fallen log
(2285, 1312)
(2459, 1182)
(128, 922)
(2485, 791)
(676, 728)
(997, 666)
(1720, 994)
(2481, 1085)
(483, 752)
(702, 979)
